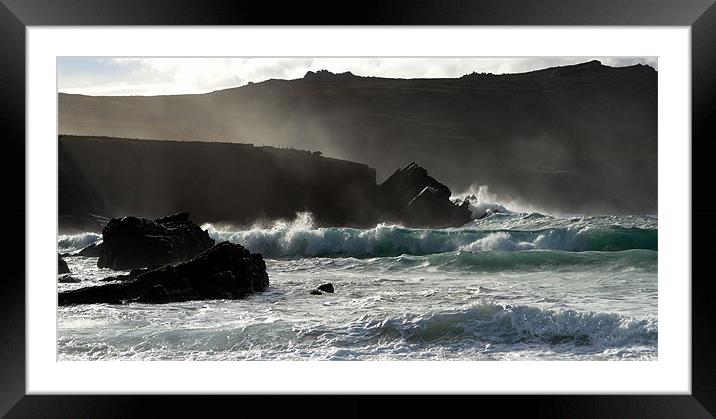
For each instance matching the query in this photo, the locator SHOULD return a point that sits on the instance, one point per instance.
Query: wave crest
(301, 238)
(69, 243)
(492, 323)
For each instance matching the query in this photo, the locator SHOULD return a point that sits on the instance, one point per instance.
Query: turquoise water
(506, 287)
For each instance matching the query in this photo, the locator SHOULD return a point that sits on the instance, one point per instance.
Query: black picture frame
(16, 15)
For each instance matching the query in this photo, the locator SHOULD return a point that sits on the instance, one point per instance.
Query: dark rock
(62, 267)
(134, 242)
(156, 294)
(315, 292)
(68, 279)
(91, 251)
(115, 278)
(131, 275)
(430, 209)
(155, 178)
(138, 271)
(327, 76)
(225, 271)
(326, 288)
(416, 199)
(403, 185)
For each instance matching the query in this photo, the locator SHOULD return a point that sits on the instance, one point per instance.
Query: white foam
(68, 243)
(301, 238)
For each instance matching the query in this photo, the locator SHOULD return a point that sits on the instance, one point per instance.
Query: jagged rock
(62, 267)
(403, 185)
(326, 288)
(68, 279)
(134, 242)
(416, 199)
(325, 75)
(91, 251)
(225, 271)
(315, 292)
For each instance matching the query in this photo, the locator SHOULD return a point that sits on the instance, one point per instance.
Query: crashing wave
(484, 204)
(302, 238)
(70, 243)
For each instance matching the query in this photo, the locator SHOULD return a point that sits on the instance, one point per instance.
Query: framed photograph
(489, 200)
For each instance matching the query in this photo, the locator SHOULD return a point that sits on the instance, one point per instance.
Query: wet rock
(315, 292)
(226, 271)
(115, 278)
(62, 267)
(131, 275)
(134, 242)
(326, 288)
(414, 198)
(68, 279)
(91, 251)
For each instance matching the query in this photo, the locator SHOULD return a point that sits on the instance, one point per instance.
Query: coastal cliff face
(572, 139)
(215, 182)
(236, 183)
(78, 200)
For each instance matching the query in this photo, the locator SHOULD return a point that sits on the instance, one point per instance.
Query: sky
(169, 76)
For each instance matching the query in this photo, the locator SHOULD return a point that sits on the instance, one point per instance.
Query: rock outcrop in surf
(62, 267)
(328, 287)
(225, 271)
(135, 242)
(91, 251)
(412, 197)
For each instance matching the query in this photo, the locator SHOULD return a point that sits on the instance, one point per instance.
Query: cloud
(167, 76)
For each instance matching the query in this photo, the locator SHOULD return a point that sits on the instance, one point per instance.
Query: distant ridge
(579, 138)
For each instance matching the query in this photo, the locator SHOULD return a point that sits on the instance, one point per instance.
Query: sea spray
(483, 203)
(69, 243)
(508, 286)
(302, 238)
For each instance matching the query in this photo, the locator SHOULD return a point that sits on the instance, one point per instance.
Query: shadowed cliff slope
(579, 139)
(213, 181)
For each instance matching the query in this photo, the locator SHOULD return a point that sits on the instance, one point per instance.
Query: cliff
(215, 182)
(576, 139)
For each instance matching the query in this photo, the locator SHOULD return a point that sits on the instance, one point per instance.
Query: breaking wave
(69, 243)
(301, 238)
(496, 261)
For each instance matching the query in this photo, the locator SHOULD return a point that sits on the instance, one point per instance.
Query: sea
(507, 286)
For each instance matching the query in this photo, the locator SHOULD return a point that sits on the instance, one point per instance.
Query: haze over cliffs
(576, 139)
(238, 183)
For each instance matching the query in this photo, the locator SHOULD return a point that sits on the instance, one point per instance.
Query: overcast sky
(166, 76)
